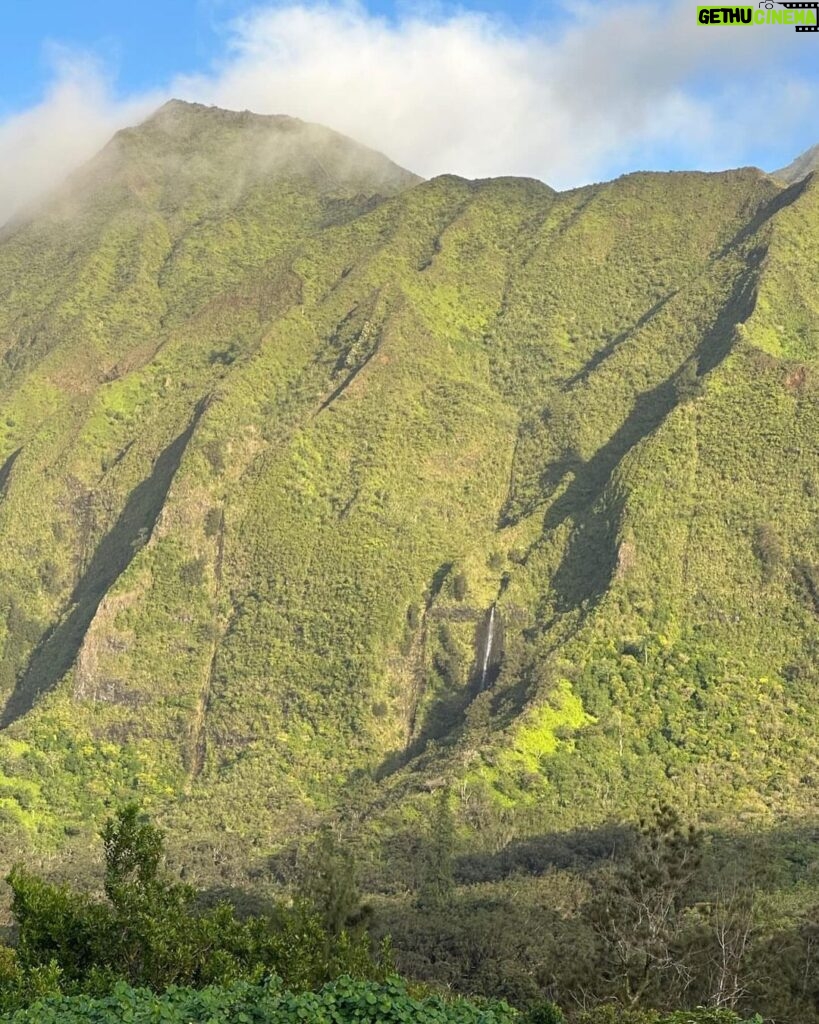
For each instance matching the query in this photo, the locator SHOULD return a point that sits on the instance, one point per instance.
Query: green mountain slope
(281, 425)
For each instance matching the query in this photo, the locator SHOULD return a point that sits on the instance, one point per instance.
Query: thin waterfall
(490, 635)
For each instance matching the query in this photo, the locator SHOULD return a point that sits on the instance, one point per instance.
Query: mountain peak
(175, 111)
(187, 150)
(268, 143)
(801, 167)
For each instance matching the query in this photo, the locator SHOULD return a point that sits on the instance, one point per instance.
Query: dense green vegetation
(342, 1002)
(280, 425)
(78, 955)
(339, 1003)
(151, 930)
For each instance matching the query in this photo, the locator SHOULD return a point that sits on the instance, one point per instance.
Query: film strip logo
(800, 7)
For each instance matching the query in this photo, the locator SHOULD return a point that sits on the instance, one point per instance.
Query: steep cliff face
(288, 435)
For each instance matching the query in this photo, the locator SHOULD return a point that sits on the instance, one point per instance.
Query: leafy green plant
(344, 1001)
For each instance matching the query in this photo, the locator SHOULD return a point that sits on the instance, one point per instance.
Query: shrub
(150, 931)
(192, 573)
(768, 548)
(545, 1013)
(269, 1003)
(496, 561)
(213, 522)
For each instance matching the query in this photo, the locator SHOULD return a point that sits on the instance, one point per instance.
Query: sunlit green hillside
(281, 425)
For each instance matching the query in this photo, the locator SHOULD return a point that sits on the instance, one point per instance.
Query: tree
(330, 887)
(730, 931)
(768, 549)
(793, 966)
(437, 875)
(448, 661)
(155, 935)
(133, 852)
(56, 928)
(637, 912)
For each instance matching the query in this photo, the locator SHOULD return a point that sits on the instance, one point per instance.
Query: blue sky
(150, 42)
(142, 44)
(568, 92)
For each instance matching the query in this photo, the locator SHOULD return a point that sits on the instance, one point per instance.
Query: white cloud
(467, 95)
(621, 85)
(77, 116)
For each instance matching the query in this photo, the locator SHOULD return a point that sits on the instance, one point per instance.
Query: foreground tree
(636, 914)
(151, 930)
(437, 872)
(329, 885)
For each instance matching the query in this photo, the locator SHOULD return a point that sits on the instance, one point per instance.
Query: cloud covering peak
(617, 86)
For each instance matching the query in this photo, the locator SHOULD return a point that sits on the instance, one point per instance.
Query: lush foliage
(323, 490)
(152, 931)
(342, 1002)
(646, 934)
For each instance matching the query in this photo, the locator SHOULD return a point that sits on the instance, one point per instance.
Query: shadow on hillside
(580, 850)
(608, 350)
(590, 560)
(441, 721)
(360, 366)
(766, 212)
(774, 857)
(6, 468)
(56, 653)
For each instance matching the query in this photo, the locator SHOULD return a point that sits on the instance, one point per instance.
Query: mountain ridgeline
(323, 486)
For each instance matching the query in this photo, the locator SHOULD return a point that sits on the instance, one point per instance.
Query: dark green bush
(545, 1013)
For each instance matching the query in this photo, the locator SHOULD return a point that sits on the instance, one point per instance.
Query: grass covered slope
(279, 426)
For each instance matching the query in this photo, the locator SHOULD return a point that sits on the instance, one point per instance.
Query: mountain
(802, 166)
(323, 487)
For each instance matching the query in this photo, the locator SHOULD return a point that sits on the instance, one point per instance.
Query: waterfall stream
(490, 635)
